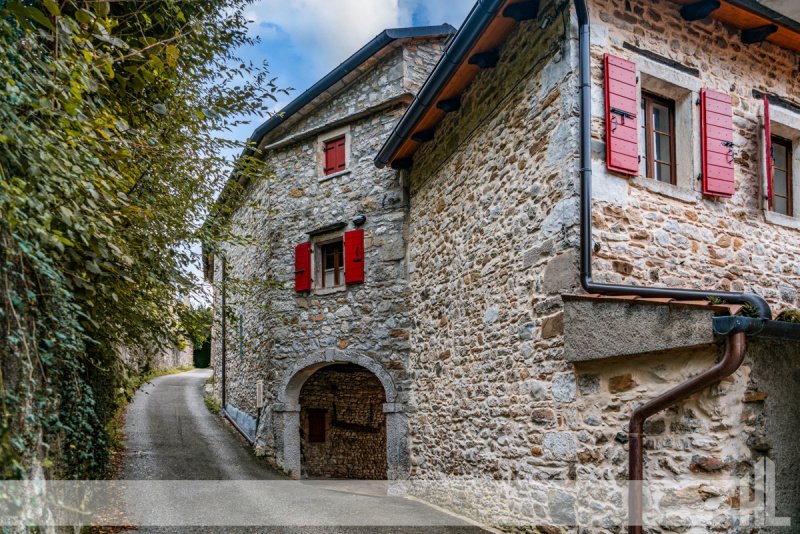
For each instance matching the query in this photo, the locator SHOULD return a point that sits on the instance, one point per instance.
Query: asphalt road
(190, 471)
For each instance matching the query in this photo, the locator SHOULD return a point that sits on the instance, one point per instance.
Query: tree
(108, 165)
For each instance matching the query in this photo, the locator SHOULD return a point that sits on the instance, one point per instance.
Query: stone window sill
(334, 175)
(782, 220)
(329, 290)
(668, 190)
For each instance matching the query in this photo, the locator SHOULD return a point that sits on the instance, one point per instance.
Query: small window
(335, 160)
(781, 176)
(316, 425)
(657, 138)
(331, 264)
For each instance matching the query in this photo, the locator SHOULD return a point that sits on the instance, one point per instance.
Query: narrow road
(189, 471)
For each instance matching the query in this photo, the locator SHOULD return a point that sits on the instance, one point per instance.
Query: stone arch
(286, 412)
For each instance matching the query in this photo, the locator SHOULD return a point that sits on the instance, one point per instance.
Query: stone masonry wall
(493, 242)
(650, 233)
(278, 325)
(491, 235)
(355, 441)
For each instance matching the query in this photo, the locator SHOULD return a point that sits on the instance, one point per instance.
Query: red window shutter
(716, 122)
(768, 151)
(334, 155)
(302, 267)
(622, 132)
(354, 257)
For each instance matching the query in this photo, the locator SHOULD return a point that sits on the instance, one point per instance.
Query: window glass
(657, 138)
(781, 176)
(332, 264)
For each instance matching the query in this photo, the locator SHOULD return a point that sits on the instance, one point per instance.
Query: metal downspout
(735, 347)
(223, 350)
(586, 200)
(735, 344)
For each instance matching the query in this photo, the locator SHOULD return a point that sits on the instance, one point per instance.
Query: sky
(302, 40)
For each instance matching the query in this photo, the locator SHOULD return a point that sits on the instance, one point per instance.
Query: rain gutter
(476, 22)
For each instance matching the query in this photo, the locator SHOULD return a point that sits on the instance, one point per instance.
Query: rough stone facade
(493, 243)
(272, 328)
(355, 425)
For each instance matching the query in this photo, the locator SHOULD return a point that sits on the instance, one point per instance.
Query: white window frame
(783, 123)
(684, 90)
(317, 259)
(320, 144)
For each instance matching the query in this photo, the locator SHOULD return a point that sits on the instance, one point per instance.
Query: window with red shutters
(335, 155)
(354, 257)
(622, 134)
(302, 267)
(716, 121)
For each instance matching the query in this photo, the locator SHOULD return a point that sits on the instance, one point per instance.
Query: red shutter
(302, 267)
(716, 121)
(622, 132)
(334, 155)
(768, 151)
(354, 257)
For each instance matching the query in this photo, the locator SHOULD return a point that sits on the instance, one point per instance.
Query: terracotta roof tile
(727, 309)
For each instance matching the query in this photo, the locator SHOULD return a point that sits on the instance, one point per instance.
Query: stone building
(561, 171)
(567, 165)
(312, 368)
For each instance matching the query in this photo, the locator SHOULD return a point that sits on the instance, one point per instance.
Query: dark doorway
(343, 427)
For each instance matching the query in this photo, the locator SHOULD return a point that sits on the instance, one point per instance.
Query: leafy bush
(108, 165)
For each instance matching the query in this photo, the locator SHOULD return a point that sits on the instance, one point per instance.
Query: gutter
(380, 41)
(735, 347)
(476, 22)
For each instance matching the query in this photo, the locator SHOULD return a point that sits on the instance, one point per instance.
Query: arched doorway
(342, 424)
(290, 419)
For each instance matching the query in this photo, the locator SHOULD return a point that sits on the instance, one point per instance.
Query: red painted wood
(302, 267)
(354, 257)
(716, 124)
(768, 149)
(622, 134)
(334, 155)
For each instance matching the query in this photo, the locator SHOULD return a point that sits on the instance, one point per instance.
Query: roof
(489, 25)
(379, 42)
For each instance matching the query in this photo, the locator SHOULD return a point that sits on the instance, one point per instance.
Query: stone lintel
(393, 407)
(285, 407)
(595, 330)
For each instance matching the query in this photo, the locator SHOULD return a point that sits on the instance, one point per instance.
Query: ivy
(109, 163)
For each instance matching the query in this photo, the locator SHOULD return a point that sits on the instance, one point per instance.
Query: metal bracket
(623, 114)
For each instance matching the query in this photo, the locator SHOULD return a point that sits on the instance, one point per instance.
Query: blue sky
(304, 39)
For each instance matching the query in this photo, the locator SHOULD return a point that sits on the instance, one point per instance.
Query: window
(781, 176)
(657, 138)
(331, 268)
(335, 160)
(316, 425)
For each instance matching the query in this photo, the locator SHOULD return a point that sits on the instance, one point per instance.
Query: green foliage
(790, 316)
(108, 165)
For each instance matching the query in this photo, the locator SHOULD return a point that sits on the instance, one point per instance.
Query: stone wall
(491, 239)
(273, 327)
(659, 234)
(493, 242)
(355, 444)
(156, 358)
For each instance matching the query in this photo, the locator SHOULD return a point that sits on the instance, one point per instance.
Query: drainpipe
(588, 284)
(224, 334)
(732, 359)
(735, 344)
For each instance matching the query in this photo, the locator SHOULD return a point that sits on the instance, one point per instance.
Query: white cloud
(330, 30)
(436, 11)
